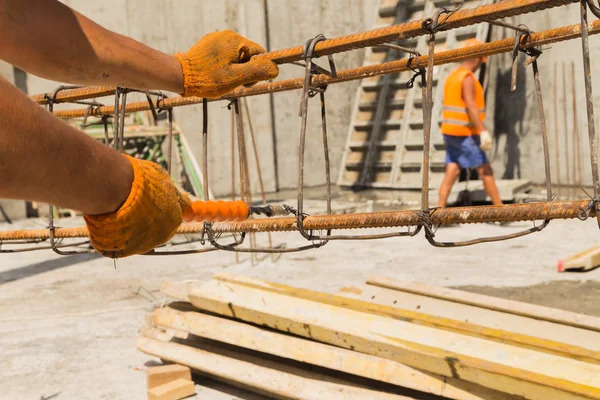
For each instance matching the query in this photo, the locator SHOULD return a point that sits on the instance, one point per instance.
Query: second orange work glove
(220, 62)
(149, 217)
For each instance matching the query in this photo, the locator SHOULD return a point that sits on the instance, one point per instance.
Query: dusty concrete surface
(581, 296)
(67, 324)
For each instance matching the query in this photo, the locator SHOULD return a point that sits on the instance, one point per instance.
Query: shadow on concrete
(45, 266)
(509, 113)
(50, 397)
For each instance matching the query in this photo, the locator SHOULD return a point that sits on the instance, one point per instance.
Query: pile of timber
(383, 340)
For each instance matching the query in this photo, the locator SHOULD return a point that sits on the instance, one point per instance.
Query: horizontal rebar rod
(68, 95)
(444, 57)
(390, 219)
(460, 18)
(518, 28)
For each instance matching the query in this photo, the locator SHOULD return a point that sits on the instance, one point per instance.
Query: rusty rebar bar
(427, 116)
(544, 129)
(411, 29)
(589, 98)
(261, 184)
(556, 133)
(460, 18)
(577, 142)
(517, 28)
(566, 124)
(455, 215)
(205, 150)
(77, 94)
(444, 57)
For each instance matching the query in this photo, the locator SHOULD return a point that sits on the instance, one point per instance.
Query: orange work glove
(149, 217)
(220, 62)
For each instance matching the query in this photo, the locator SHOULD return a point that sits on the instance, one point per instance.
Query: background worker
(130, 206)
(465, 136)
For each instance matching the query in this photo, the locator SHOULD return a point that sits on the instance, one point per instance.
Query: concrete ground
(68, 324)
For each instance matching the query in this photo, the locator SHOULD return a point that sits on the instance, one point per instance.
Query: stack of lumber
(383, 340)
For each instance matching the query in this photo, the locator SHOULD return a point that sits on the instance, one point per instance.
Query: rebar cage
(318, 230)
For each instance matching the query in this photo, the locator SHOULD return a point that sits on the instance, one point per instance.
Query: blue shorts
(464, 151)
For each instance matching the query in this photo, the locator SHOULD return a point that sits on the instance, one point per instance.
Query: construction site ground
(68, 324)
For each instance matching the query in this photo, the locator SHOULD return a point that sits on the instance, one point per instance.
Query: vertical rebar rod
(240, 128)
(237, 256)
(540, 101)
(326, 151)
(556, 134)
(233, 191)
(303, 114)
(122, 123)
(105, 123)
(205, 147)
(248, 187)
(589, 97)
(576, 136)
(566, 123)
(258, 169)
(427, 117)
(244, 170)
(170, 141)
(255, 150)
(116, 119)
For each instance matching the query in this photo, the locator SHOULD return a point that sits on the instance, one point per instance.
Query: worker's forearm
(50, 40)
(473, 113)
(46, 160)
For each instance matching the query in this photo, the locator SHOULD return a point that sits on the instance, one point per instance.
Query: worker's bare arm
(50, 40)
(44, 159)
(468, 94)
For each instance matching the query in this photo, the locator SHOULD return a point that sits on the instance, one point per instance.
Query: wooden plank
(161, 374)
(323, 355)
(148, 329)
(502, 367)
(174, 390)
(475, 315)
(273, 381)
(492, 303)
(451, 325)
(586, 260)
(177, 290)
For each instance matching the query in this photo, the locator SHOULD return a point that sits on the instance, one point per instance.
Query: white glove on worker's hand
(486, 141)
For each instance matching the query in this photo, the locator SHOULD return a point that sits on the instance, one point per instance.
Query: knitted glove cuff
(191, 81)
(118, 234)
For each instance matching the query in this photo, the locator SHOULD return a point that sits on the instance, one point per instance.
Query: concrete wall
(515, 115)
(292, 23)
(171, 26)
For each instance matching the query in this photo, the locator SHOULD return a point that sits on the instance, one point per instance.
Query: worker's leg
(451, 175)
(489, 183)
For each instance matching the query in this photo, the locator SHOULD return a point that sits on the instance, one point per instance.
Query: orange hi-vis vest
(455, 119)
